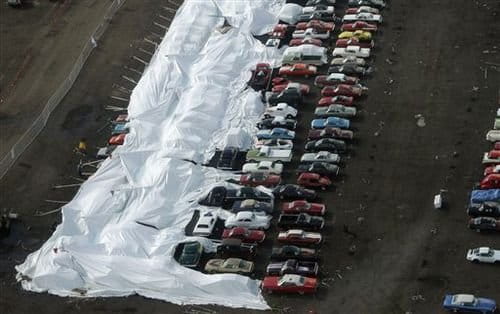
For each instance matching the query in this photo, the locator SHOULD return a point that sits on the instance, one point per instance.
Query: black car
(293, 266)
(328, 144)
(291, 96)
(228, 158)
(293, 191)
(317, 15)
(294, 252)
(487, 209)
(277, 122)
(236, 248)
(319, 167)
(253, 206)
(301, 221)
(349, 69)
(225, 197)
(379, 4)
(484, 224)
(311, 3)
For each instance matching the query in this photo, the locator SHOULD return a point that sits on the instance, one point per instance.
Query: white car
(319, 8)
(493, 136)
(348, 60)
(483, 255)
(248, 220)
(322, 156)
(354, 51)
(205, 225)
(273, 42)
(275, 144)
(365, 9)
(281, 110)
(490, 159)
(311, 33)
(364, 16)
(268, 167)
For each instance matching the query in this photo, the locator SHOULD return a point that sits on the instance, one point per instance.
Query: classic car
(468, 303)
(298, 236)
(334, 79)
(491, 169)
(335, 111)
(205, 224)
(491, 181)
(491, 157)
(355, 51)
(339, 99)
(244, 234)
(305, 41)
(266, 153)
(342, 43)
(290, 96)
(256, 179)
(280, 110)
(483, 255)
(480, 224)
(236, 248)
(326, 144)
(292, 191)
(342, 89)
(228, 158)
(221, 196)
(268, 167)
(348, 60)
(289, 284)
(264, 208)
(305, 54)
(319, 2)
(313, 180)
(321, 156)
(276, 133)
(359, 26)
(330, 132)
(298, 69)
(330, 122)
(362, 9)
(315, 24)
(379, 4)
(350, 69)
(260, 76)
(292, 266)
(319, 167)
(275, 144)
(293, 252)
(359, 34)
(319, 8)
(311, 33)
(486, 209)
(363, 16)
(277, 122)
(248, 220)
(230, 265)
(302, 206)
(322, 16)
(280, 84)
(191, 254)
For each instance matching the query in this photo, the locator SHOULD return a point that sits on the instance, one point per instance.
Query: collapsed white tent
(119, 233)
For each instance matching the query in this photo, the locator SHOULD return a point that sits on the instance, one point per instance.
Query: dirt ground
(430, 60)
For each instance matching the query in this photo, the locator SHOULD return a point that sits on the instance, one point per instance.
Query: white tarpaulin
(119, 233)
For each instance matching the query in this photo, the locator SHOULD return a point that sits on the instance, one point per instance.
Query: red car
(496, 146)
(317, 25)
(260, 75)
(334, 79)
(298, 236)
(302, 206)
(289, 284)
(117, 139)
(298, 69)
(359, 25)
(329, 132)
(121, 118)
(491, 169)
(256, 179)
(341, 89)
(279, 31)
(491, 181)
(244, 234)
(279, 84)
(342, 43)
(341, 100)
(305, 41)
(313, 180)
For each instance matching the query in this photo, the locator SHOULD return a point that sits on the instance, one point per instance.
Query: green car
(230, 265)
(191, 254)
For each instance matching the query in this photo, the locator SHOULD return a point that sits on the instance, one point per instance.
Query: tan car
(230, 265)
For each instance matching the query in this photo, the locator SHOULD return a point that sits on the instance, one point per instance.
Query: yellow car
(359, 34)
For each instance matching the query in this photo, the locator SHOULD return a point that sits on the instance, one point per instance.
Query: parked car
(334, 122)
(280, 84)
(191, 254)
(342, 89)
(319, 8)
(342, 43)
(321, 156)
(264, 208)
(280, 31)
(313, 180)
(354, 51)
(359, 26)
(289, 284)
(359, 34)
(362, 9)
(326, 144)
(260, 76)
(350, 69)
(305, 54)
(348, 60)
(236, 248)
(486, 209)
(293, 266)
(230, 265)
(339, 111)
(302, 206)
(120, 128)
(292, 191)
(379, 4)
(266, 153)
(205, 225)
(315, 24)
(305, 41)
(298, 69)
(280, 110)
(468, 303)
(363, 16)
(276, 133)
(334, 79)
(298, 236)
(311, 33)
(277, 122)
(290, 96)
(322, 16)
(274, 144)
(491, 181)
(248, 220)
(491, 169)
(228, 159)
(267, 167)
(483, 255)
(221, 196)
(491, 157)
(319, 167)
(256, 179)
(339, 99)
(318, 2)
(330, 132)
(117, 139)
(481, 224)
(244, 234)
(291, 251)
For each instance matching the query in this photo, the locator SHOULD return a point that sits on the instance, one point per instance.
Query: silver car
(335, 110)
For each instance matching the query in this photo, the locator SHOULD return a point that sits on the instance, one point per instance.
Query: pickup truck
(302, 220)
(293, 266)
(355, 51)
(269, 154)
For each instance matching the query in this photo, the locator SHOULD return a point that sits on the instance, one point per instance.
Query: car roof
(244, 214)
(464, 298)
(483, 250)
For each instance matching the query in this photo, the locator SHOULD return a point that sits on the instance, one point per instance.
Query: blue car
(119, 129)
(333, 122)
(276, 133)
(467, 303)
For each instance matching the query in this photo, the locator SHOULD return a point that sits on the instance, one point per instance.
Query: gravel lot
(404, 247)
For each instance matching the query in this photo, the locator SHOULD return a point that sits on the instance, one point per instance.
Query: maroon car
(359, 25)
(330, 132)
(342, 43)
(280, 31)
(316, 25)
(313, 180)
(280, 84)
(341, 100)
(305, 41)
(334, 79)
(341, 89)
(260, 76)
(244, 234)
(256, 179)
(302, 206)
